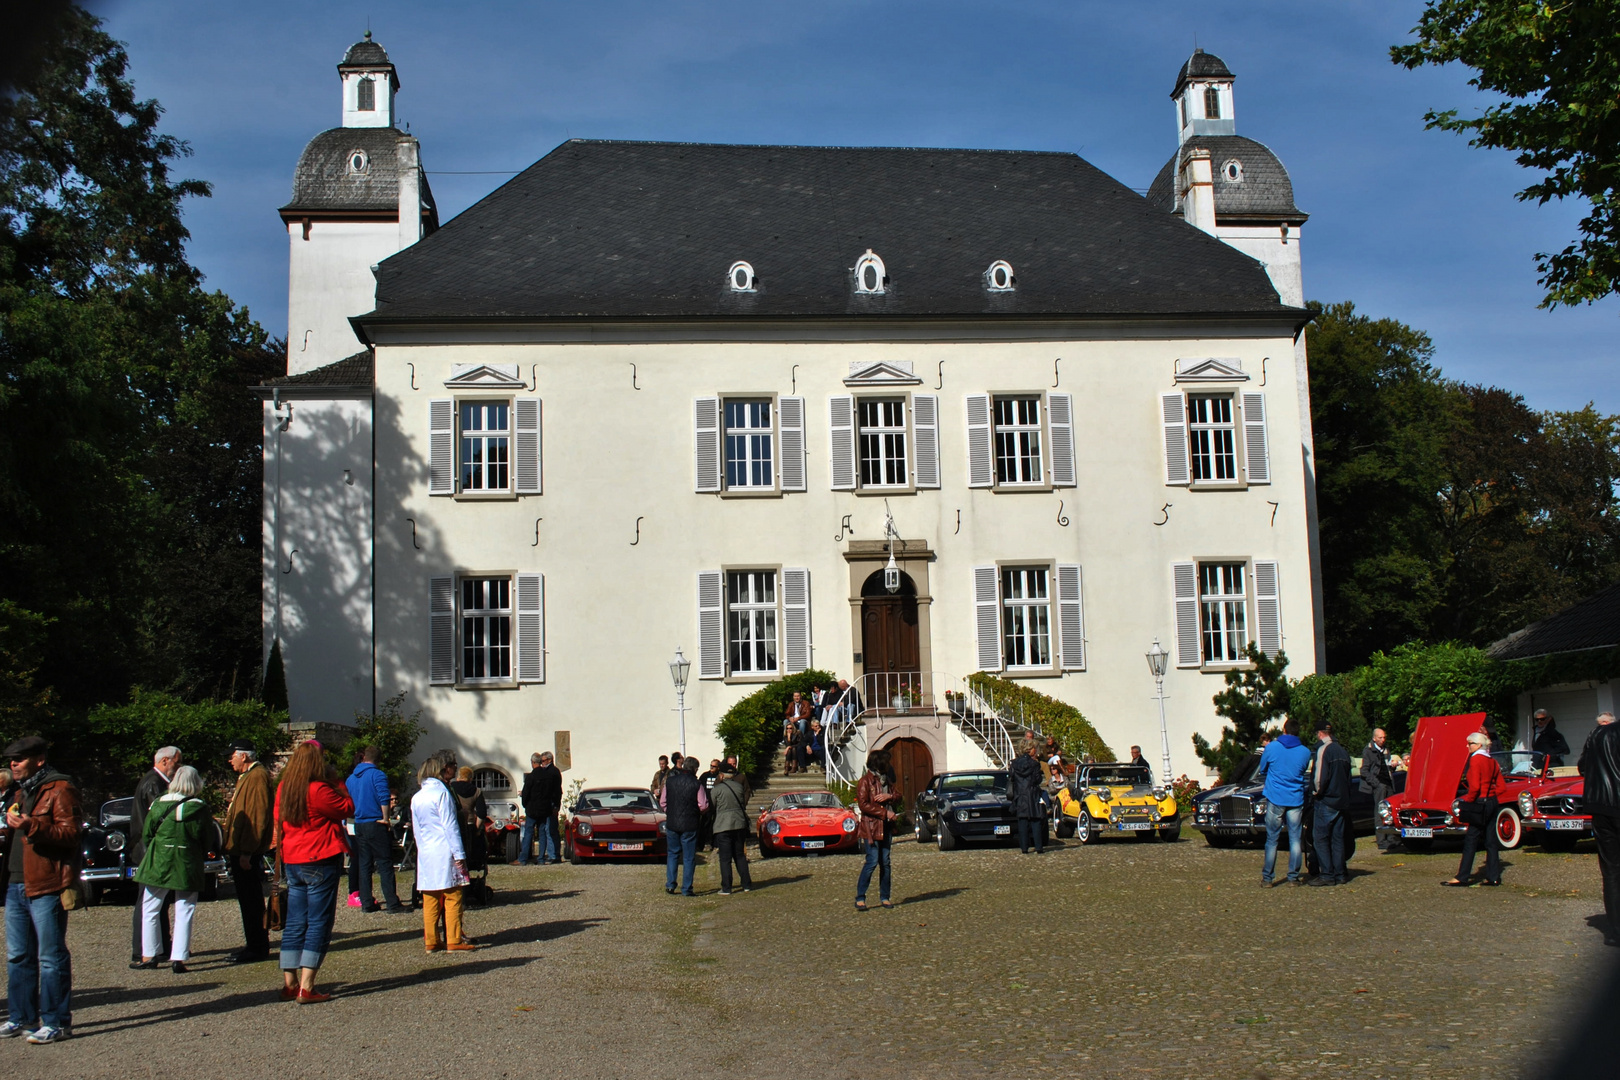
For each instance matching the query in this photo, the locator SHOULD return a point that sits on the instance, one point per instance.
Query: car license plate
(1566, 823)
(811, 845)
(1417, 834)
(1003, 830)
(130, 872)
(1229, 830)
(1135, 826)
(626, 847)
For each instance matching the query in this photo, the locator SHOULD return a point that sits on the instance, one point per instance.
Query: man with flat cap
(41, 862)
(248, 835)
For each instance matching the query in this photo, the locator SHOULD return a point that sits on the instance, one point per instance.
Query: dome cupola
(1203, 96)
(369, 85)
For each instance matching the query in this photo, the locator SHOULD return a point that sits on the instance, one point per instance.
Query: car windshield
(1122, 776)
(808, 800)
(612, 799)
(1245, 770)
(975, 783)
(1520, 762)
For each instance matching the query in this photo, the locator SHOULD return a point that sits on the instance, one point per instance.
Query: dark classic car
(959, 806)
(800, 822)
(1235, 812)
(614, 824)
(104, 854)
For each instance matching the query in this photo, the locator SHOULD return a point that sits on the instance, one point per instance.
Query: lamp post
(679, 668)
(1158, 662)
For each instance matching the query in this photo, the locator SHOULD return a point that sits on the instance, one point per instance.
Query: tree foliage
(393, 734)
(752, 728)
(1254, 696)
(1558, 67)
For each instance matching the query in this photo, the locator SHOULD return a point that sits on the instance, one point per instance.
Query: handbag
(275, 897)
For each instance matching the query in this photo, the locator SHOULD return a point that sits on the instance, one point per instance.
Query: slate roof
(365, 53)
(1265, 192)
(648, 229)
(356, 370)
(323, 180)
(1201, 65)
(1593, 623)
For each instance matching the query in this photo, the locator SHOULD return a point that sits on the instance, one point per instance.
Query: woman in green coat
(176, 836)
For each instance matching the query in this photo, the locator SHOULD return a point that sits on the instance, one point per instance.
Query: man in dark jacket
(1141, 762)
(683, 801)
(1331, 821)
(148, 790)
(41, 862)
(1600, 766)
(548, 787)
(533, 814)
(1549, 740)
(1377, 778)
(1025, 791)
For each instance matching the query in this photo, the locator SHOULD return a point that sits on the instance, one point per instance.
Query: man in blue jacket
(373, 842)
(1283, 767)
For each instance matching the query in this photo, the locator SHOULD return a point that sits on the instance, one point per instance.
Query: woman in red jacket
(311, 804)
(1477, 794)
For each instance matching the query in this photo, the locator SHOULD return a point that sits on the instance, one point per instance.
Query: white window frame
(760, 613)
(1019, 431)
(751, 436)
(1026, 618)
(492, 618)
(883, 436)
(487, 439)
(1213, 434)
(1225, 621)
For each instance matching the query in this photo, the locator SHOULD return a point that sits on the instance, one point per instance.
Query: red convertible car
(806, 821)
(614, 824)
(1540, 799)
(1422, 813)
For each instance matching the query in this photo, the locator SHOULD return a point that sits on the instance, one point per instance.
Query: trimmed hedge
(752, 728)
(1065, 723)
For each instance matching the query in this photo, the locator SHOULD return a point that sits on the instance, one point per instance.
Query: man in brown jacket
(248, 836)
(41, 862)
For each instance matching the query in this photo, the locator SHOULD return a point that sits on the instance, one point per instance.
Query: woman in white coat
(441, 862)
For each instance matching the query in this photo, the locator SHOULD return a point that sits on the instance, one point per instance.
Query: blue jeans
(682, 849)
(543, 829)
(39, 971)
(877, 858)
(1328, 827)
(526, 842)
(311, 908)
(1275, 816)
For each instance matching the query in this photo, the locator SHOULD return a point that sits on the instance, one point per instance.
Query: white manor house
(648, 396)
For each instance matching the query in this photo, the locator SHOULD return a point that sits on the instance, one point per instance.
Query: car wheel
(947, 839)
(923, 834)
(513, 848)
(1172, 834)
(1085, 829)
(1509, 829)
(571, 852)
(765, 851)
(1559, 841)
(1220, 841)
(89, 893)
(1417, 845)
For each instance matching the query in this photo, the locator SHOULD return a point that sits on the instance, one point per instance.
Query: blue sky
(1407, 223)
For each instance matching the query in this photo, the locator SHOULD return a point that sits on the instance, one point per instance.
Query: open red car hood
(1439, 750)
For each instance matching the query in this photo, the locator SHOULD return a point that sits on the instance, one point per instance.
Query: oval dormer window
(359, 162)
(869, 273)
(1233, 171)
(741, 277)
(999, 278)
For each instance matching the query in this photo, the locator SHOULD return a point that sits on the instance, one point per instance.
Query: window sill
(486, 496)
(1217, 485)
(471, 687)
(763, 677)
(749, 493)
(883, 492)
(1022, 489)
(1223, 667)
(1032, 673)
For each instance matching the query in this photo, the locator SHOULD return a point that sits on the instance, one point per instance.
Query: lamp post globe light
(679, 668)
(1159, 662)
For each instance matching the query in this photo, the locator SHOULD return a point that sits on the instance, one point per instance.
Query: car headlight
(116, 841)
(773, 827)
(961, 815)
(1385, 814)
(1527, 805)
(1258, 806)
(1155, 815)
(584, 829)
(849, 824)
(662, 828)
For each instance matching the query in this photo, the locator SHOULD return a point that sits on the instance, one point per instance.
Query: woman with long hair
(175, 836)
(311, 805)
(874, 797)
(441, 858)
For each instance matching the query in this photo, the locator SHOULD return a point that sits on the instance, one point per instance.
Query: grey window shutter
(925, 438)
(706, 435)
(531, 628)
(1071, 619)
(711, 625)
(791, 412)
(1060, 419)
(841, 421)
(987, 616)
(441, 446)
(526, 451)
(795, 620)
(1188, 649)
(442, 631)
(1267, 607)
(1256, 450)
(981, 466)
(1174, 412)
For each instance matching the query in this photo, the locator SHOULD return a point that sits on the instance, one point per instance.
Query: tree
(1558, 66)
(1254, 695)
(393, 734)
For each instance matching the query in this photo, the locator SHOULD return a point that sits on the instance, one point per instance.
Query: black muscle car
(959, 806)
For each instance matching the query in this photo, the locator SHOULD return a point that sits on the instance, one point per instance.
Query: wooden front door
(913, 767)
(891, 643)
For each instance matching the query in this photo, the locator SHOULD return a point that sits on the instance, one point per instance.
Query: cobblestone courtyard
(1126, 959)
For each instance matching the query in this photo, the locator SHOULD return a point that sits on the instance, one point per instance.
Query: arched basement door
(913, 767)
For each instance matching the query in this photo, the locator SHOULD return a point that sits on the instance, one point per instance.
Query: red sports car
(614, 824)
(1541, 799)
(1423, 812)
(806, 821)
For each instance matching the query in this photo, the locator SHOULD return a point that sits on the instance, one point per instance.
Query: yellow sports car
(1110, 800)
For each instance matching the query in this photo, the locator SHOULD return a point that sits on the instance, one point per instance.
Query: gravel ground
(1124, 959)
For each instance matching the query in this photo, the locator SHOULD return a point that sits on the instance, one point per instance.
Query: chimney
(1197, 184)
(410, 191)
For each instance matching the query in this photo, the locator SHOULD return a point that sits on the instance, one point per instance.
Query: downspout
(275, 554)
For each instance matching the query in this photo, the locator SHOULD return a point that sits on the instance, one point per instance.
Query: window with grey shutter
(1173, 412)
(1256, 450)
(706, 443)
(925, 428)
(531, 628)
(1071, 619)
(441, 446)
(526, 444)
(987, 615)
(711, 626)
(841, 424)
(790, 413)
(1267, 608)
(1060, 419)
(1184, 576)
(442, 631)
(795, 620)
(981, 464)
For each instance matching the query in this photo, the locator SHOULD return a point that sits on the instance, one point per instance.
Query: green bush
(752, 728)
(1416, 680)
(1336, 699)
(1065, 723)
(393, 734)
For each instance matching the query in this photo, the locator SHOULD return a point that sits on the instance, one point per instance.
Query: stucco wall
(329, 280)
